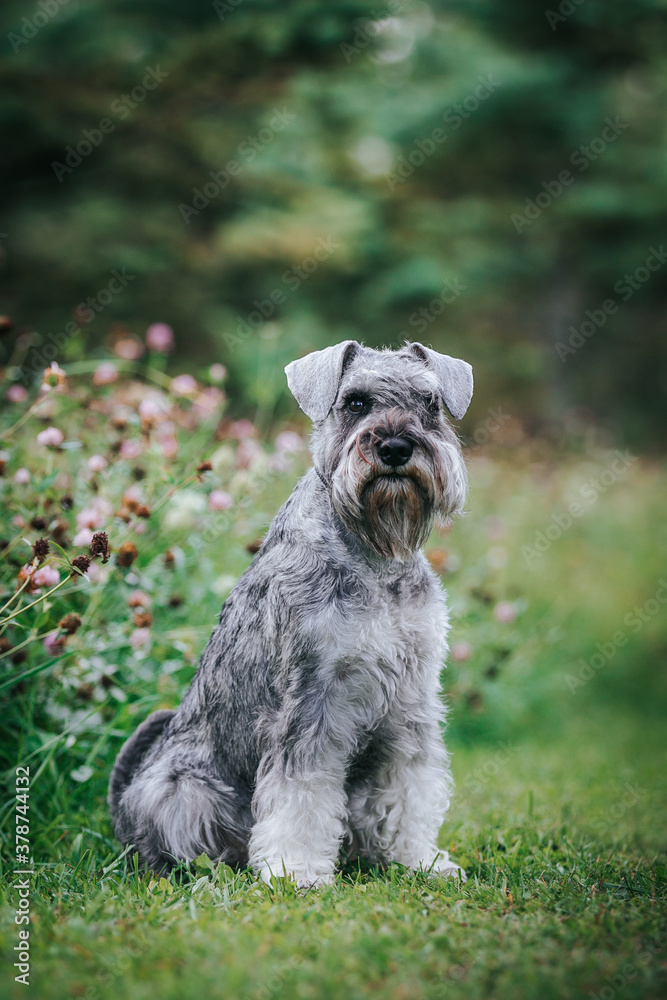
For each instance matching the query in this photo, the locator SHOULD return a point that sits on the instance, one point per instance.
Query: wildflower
(83, 537)
(58, 533)
(247, 452)
(99, 546)
(504, 612)
(97, 463)
(183, 385)
(138, 599)
(160, 337)
(46, 576)
(207, 402)
(54, 642)
(38, 523)
(22, 476)
(132, 497)
(141, 510)
(150, 412)
(219, 500)
(70, 624)
(139, 637)
(241, 429)
(127, 553)
(95, 516)
(175, 601)
(80, 564)
(40, 549)
(461, 651)
(51, 437)
(129, 449)
(53, 377)
(105, 373)
(168, 445)
(17, 394)
(142, 619)
(169, 559)
(437, 559)
(254, 547)
(25, 573)
(129, 348)
(67, 502)
(289, 441)
(204, 467)
(217, 372)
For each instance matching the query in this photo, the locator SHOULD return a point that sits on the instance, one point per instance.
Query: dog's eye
(357, 405)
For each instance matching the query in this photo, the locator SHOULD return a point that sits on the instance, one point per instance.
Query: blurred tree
(273, 177)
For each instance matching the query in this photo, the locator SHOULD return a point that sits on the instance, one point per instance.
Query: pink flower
(132, 495)
(17, 394)
(83, 538)
(130, 449)
(241, 429)
(461, 651)
(160, 337)
(138, 599)
(22, 476)
(94, 517)
(247, 451)
(207, 402)
(54, 642)
(219, 500)
(184, 385)
(168, 445)
(217, 372)
(504, 612)
(139, 637)
(150, 410)
(105, 373)
(97, 573)
(46, 576)
(51, 437)
(129, 348)
(289, 441)
(97, 463)
(53, 377)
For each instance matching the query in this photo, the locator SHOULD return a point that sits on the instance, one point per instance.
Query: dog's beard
(392, 511)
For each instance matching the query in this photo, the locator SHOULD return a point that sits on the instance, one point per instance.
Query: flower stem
(20, 611)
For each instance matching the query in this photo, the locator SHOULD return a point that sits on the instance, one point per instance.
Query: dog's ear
(314, 380)
(454, 378)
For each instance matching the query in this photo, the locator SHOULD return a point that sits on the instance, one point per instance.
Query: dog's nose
(395, 451)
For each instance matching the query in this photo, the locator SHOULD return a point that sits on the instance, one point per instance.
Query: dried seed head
(99, 546)
(141, 510)
(40, 550)
(127, 553)
(66, 502)
(143, 619)
(70, 624)
(204, 467)
(81, 565)
(39, 523)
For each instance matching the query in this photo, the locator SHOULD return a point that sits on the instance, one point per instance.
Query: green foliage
(367, 92)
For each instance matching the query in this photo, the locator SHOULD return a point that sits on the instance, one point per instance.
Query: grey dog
(314, 722)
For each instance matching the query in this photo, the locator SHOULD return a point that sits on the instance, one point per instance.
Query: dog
(313, 725)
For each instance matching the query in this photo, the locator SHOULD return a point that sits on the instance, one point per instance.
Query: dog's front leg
(300, 804)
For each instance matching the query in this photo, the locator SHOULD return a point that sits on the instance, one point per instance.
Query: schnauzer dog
(314, 722)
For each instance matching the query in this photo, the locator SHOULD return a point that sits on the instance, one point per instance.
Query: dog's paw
(302, 878)
(446, 868)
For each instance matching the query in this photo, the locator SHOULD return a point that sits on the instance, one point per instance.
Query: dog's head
(382, 440)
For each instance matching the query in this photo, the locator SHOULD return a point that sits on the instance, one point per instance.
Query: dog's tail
(132, 754)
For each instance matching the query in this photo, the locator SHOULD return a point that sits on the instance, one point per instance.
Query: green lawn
(557, 695)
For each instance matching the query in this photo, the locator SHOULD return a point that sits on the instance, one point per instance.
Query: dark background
(367, 84)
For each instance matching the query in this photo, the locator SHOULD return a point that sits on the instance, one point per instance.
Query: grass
(557, 704)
